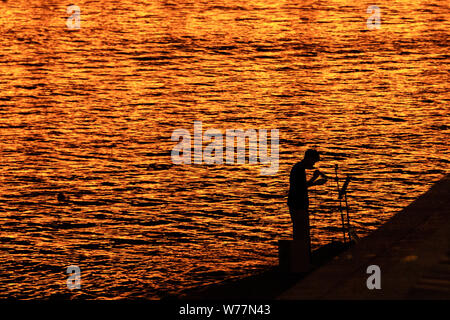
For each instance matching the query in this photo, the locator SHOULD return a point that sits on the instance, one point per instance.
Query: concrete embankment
(411, 251)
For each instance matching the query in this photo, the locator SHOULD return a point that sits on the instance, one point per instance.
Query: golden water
(90, 112)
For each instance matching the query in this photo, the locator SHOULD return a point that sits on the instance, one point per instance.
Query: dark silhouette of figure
(298, 201)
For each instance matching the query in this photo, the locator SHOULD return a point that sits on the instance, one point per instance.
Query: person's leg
(300, 221)
(295, 223)
(307, 230)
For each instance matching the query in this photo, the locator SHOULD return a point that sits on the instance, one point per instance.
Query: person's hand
(320, 181)
(316, 174)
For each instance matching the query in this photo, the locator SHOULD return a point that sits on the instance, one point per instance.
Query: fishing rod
(314, 192)
(340, 202)
(321, 174)
(343, 194)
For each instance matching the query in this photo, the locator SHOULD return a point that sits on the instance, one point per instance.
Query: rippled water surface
(90, 113)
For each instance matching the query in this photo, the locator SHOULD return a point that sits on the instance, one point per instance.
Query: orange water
(90, 112)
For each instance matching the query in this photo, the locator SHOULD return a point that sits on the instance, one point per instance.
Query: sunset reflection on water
(90, 113)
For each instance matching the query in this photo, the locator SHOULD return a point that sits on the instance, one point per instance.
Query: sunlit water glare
(90, 112)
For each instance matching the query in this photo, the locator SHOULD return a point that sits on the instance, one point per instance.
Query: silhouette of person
(298, 201)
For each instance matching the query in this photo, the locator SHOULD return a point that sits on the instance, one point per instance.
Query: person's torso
(298, 189)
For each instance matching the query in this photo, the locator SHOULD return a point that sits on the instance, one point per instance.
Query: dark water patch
(80, 193)
(146, 203)
(158, 154)
(47, 267)
(203, 84)
(10, 240)
(93, 246)
(232, 235)
(329, 208)
(159, 58)
(70, 225)
(26, 203)
(307, 54)
(393, 119)
(443, 160)
(250, 223)
(30, 179)
(225, 53)
(331, 228)
(159, 166)
(214, 274)
(246, 19)
(354, 71)
(250, 203)
(146, 103)
(187, 227)
(270, 195)
(225, 8)
(284, 69)
(251, 238)
(153, 223)
(346, 51)
(267, 49)
(440, 127)
(29, 194)
(266, 57)
(13, 126)
(178, 217)
(51, 251)
(335, 155)
(85, 203)
(17, 251)
(435, 171)
(35, 64)
(282, 95)
(221, 48)
(136, 183)
(124, 217)
(179, 236)
(121, 241)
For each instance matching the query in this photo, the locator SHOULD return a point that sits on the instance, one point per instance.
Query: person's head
(311, 157)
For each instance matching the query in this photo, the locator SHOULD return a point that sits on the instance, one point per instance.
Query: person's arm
(314, 181)
(311, 181)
